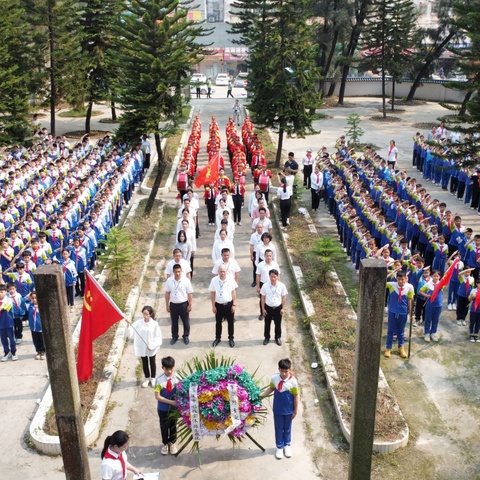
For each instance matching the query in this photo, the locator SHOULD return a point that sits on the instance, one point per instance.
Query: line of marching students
(224, 199)
(396, 220)
(58, 204)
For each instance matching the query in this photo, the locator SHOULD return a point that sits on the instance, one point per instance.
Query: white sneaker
(427, 337)
(152, 382)
(38, 356)
(435, 337)
(287, 451)
(164, 450)
(459, 322)
(18, 341)
(464, 322)
(450, 306)
(454, 306)
(145, 383)
(279, 453)
(173, 449)
(5, 357)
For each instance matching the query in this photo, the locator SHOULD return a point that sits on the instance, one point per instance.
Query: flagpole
(135, 330)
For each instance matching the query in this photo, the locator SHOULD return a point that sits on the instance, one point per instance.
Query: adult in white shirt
(185, 216)
(178, 301)
(220, 244)
(225, 215)
(316, 187)
(146, 342)
(265, 244)
(392, 156)
(229, 226)
(226, 198)
(195, 205)
(274, 301)
(255, 239)
(263, 274)
(192, 213)
(284, 193)
(233, 268)
(307, 162)
(178, 259)
(223, 295)
(255, 196)
(261, 204)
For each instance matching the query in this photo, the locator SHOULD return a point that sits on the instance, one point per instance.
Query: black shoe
(186, 340)
(265, 342)
(260, 317)
(215, 342)
(278, 341)
(254, 284)
(231, 343)
(173, 341)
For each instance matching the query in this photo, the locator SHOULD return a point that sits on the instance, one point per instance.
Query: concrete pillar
(57, 335)
(371, 301)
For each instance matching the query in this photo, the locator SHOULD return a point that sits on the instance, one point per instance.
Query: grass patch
(141, 231)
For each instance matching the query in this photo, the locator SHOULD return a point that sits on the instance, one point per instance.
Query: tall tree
(155, 49)
(282, 71)
(434, 41)
(19, 77)
(96, 20)
(389, 37)
(467, 23)
(361, 8)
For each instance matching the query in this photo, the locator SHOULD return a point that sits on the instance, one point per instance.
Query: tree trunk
(158, 178)
(384, 100)
(279, 148)
(393, 94)
(88, 117)
(463, 108)
(429, 59)
(341, 93)
(113, 110)
(331, 90)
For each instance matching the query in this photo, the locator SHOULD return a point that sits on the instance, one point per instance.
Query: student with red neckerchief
(114, 457)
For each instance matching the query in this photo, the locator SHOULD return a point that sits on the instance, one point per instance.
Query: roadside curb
(50, 444)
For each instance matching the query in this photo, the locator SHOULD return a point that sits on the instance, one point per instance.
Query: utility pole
(371, 301)
(57, 336)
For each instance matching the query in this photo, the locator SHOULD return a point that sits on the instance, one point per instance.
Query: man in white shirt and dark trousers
(307, 162)
(316, 187)
(223, 297)
(178, 300)
(274, 300)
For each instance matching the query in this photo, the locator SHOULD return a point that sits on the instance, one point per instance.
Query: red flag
(209, 173)
(445, 280)
(98, 315)
(477, 299)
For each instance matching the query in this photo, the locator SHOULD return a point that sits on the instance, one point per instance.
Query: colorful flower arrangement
(217, 397)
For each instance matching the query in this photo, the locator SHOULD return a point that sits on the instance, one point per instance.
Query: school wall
(433, 90)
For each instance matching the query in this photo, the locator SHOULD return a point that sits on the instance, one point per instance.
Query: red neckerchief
(119, 457)
(281, 382)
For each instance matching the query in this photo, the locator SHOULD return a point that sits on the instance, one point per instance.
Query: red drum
(241, 179)
(263, 182)
(182, 181)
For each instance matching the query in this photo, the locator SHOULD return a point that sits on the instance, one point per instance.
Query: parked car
(198, 77)
(241, 80)
(222, 79)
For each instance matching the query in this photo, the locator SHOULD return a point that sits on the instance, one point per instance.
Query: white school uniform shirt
(146, 334)
(316, 181)
(232, 267)
(223, 288)
(264, 270)
(112, 468)
(183, 263)
(273, 294)
(283, 195)
(179, 290)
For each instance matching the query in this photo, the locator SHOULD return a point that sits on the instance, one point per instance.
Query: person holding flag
(433, 292)
(474, 297)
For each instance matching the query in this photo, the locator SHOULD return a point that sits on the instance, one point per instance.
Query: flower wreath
(217, 397)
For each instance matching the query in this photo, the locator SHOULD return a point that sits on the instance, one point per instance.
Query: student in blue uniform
(284, 387)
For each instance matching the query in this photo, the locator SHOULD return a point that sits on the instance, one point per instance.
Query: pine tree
(389, 37)
(120, 253)
(154, 52)
(17, 73)
(282, 71)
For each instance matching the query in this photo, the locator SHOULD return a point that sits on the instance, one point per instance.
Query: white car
(222, 79)
(198, 78)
